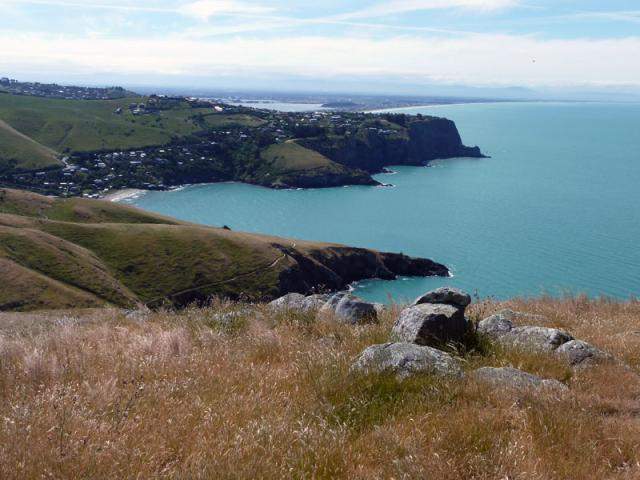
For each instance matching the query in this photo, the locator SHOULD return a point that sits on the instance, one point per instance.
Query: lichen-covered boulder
(535, 338)
(290, 301)
(430, 324)
(333, 300)
(407, 359)
(501, 329)
(446, 295)
(314, 302)
(512, 378)
(579, 353)
(298, 302)
(495, 326)
(354, 310)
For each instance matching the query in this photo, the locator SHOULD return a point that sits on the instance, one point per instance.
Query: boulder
(579, 353)
(290, 301)
(380, 308)
(501, 329)
(495, 326)
(407, 359)
(297, 301)
(446, 295)
(314, 302)
(430, 324)
(512, 378)
(354, 310)
(333, 300)
(521, 316)
(535, 338)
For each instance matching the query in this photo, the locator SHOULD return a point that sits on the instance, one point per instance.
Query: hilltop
(59, 253)
(75, 146)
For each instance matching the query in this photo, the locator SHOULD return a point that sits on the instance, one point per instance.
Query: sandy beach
(120, 195)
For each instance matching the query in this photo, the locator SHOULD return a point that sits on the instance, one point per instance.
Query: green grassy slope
(21, 152)
(289, 163)
(86, 125)
(18, 202)
(56, 253)
(94, 252)
(289, 156)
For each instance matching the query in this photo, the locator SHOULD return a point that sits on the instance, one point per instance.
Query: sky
(399, 45)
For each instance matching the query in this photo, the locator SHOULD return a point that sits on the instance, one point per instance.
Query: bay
(555, 210)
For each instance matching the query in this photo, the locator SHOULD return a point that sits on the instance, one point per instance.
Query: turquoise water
(555, 210)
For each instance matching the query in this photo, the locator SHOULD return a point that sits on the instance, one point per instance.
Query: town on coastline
(211, 141)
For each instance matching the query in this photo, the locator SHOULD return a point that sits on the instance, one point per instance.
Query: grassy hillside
(203, 394)
(108, 253)
(62, 126)
(80, 210)
(289, 163)
(291, 157)
(21, 152)
(62, 252)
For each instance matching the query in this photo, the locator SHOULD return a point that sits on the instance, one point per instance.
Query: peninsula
(75, 141)
(63, 253)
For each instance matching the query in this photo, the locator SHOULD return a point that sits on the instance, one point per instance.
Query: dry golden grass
(187, 395)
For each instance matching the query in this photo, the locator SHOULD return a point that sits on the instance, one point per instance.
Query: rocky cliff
(416, 141)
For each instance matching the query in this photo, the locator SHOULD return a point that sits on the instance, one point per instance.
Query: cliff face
(416, 143)
(334, 268)
(434, 139)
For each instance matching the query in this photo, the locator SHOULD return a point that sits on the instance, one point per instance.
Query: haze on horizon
(568, 48)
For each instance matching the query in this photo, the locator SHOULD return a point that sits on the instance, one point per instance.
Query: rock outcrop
(335, 268)
(499, 328)
(446, 295)
(406, 359)
(435, 318)
(430, 324)
(579, 353)
(346, 307)
(354, 310)
(298, 302)
(512, 378)
(415, 141)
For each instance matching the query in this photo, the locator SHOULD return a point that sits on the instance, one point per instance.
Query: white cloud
(140, 5)
(205, 9)
(200, 9)
(395, 7)
(473, 59)
(632, 16)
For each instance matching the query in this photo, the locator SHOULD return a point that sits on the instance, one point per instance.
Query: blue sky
(482, 43)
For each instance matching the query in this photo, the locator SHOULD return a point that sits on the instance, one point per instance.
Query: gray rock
(430, 324)
(495, 326)
(354, 310)
(380, 308)
(406, 359)
(314, 302)
(290, 301)
(541, 339)
(513, 316)
(446, 295)
(500, 327)
(577, 352)
(508, 377)
(331, 304)
(297, 301)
